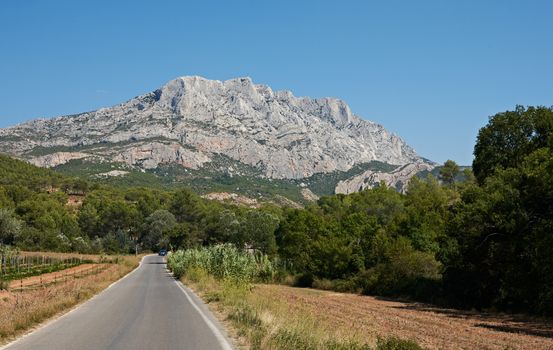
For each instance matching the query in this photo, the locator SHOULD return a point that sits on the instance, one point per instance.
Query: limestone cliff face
(190, 119)
(397, 178)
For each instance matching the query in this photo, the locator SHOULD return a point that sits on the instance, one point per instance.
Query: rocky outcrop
(308, 195)
(151, 155)
(232, 198)
(398, 178)
(57, 158)
(190, 119)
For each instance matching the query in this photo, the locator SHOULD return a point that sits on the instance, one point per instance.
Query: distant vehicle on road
(162, 252)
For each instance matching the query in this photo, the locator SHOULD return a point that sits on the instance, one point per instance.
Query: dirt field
(61, 275)
(434, 328)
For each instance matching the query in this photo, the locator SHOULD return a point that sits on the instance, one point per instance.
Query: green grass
(224, 275)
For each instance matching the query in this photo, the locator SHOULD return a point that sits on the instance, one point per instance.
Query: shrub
(3, 284)
(304, 280)
(349, 285)
(405, 271)
(394, 343)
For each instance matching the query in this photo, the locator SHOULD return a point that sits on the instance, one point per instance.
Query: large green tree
(10, 226)
(448, 171)
(259, 227)
(509, 137)
(156, 228)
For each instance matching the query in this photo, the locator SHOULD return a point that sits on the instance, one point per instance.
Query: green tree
(156, 229)
(295, 237)
(427, 210)
(5, 200)
(448, 171)
(503, 230)
(186, 206)
(10, 226)
(259, 228)
(509, 137)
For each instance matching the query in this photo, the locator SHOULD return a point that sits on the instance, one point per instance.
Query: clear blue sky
(430, 71)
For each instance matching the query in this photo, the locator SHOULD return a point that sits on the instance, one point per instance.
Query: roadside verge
(23, 312)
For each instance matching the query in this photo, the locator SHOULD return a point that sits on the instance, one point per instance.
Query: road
(147, 310)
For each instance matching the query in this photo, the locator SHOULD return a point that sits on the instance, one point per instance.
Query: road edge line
(223, 341)
(68, 312)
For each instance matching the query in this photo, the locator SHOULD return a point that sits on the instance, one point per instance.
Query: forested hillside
(486, 241)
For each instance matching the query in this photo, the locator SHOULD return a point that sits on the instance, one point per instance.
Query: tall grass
(223, 262)
(224, 275)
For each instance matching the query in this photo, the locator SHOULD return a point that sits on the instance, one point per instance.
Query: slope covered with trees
(483, 242)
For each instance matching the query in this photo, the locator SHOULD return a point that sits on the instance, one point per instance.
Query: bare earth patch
(367, 318)
(62, 275)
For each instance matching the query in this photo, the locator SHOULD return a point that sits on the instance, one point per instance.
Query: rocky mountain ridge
(192, 121)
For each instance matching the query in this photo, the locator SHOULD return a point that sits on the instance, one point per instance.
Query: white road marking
(77, 307)
(220, 337)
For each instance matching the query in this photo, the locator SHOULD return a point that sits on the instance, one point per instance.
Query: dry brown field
(366, 318)
(20, 310)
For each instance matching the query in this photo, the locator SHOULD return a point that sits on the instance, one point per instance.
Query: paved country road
(148, 309)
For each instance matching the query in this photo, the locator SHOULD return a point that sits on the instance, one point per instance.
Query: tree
(427, 207)
(295, 236)
(183, 236)
(259, 228)
(5, 200)
(448, 172)
(186, 206)
(509, 137)
(503, 229)
(156, 228)
(10, 226)
(230, 228)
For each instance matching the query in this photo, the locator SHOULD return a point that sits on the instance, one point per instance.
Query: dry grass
(294, 318)
(367, 318)
(20, 311)
(258, 320)
(91, 257)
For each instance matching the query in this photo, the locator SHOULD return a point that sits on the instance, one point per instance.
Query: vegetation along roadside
(483, 243)
(20, 310)
(225, 276)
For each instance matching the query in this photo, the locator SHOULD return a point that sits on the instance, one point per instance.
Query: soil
(57, 276)
(432, 327)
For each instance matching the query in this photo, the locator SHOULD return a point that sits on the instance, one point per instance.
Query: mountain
(218, 136)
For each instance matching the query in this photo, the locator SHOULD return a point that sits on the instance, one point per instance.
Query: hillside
(14, 172)
(221, 136)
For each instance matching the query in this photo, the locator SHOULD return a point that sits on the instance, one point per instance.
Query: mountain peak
(191, 120)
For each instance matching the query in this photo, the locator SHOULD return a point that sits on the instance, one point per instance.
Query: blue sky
(430, 71)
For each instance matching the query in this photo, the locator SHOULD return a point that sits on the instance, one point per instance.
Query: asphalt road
(146, 310)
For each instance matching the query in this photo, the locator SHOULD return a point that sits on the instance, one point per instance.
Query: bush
(3, 284)
(394, 343)
(342, 285)
(406, 271)
(304, 280)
